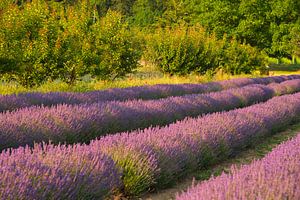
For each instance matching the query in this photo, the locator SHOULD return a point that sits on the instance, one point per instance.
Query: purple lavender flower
(276, 176)
(59, 172)
(81, 123)
(162, 155)
(142, 159)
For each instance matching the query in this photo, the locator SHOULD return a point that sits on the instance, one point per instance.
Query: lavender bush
(17, 101)
(56, 173)
(81, 123)
(276, 176)
(146, 158)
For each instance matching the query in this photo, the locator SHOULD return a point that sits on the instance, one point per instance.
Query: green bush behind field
(43, 41)
(182, 50)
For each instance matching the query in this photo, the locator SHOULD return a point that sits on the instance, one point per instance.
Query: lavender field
(101, 144)
(149, 100)
(81, 123)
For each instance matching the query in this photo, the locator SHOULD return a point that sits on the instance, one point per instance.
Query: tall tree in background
(218, 16)
(254, 23)
(146, 12)
(285, 17)
(296, 41)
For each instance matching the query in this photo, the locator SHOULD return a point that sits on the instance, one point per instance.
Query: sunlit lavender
(137, 161)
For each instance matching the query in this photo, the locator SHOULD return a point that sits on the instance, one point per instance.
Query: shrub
(183, 50)
(241, 58)
(177, 50)
(23, 43)
(114, 49)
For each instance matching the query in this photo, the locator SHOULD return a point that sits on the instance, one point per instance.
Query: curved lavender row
(81, 123)
(158, 156)
(13, 102)
(276, 176)
(145, 158)
(56, 173)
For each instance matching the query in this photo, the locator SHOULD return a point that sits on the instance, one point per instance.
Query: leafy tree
(296, 41)
(114, 50)
(43, 41)
(146, 12)
(217, 16)
(241, 59)
(182, 50)
(23, 43)
(254, 23)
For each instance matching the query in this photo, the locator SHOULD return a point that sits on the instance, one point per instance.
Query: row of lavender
(136, 161)
(81, 123)
(158, 156)
(277, 176)
(13, 102)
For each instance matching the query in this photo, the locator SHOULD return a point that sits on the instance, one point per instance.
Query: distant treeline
(66, 39)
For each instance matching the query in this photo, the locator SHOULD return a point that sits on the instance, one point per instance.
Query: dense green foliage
(266, 24)
(66, 39)
(182, 50)
(47, 40)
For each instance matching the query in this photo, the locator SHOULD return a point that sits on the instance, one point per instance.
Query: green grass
(81, 86)
(284, 69)
(254, 151)
(147, 75)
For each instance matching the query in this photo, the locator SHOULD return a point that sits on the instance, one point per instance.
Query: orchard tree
(296, 41)
(254, 24)
(217, 16)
